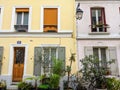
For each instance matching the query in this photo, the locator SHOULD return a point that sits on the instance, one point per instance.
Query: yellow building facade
(30, 30)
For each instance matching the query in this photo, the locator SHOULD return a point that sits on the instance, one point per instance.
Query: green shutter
(37, 60)
(61, 55)
(88, 51)
(1, 56)
(113, 56)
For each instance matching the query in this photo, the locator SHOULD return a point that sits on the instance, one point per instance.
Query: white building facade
(98, 32)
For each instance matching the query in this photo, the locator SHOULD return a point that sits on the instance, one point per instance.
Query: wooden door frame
(11, 61)
(18, 65)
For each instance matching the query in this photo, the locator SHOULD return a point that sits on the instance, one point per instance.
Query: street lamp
(79, 12)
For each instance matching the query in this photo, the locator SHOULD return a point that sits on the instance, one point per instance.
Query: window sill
(99, 33)
(36, 34)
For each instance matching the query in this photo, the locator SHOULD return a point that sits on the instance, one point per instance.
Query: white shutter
(113, 56)
(61, 55)
(37, 60)
(1, 57)
(88, 51)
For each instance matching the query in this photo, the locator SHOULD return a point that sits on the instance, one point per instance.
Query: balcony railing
(21, 28)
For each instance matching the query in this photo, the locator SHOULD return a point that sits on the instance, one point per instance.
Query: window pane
(94, 21)
(19, 18)
(103, 57)
(53, 55)
(46, 56)
(19, 55)
(46, 62)
(99, 12)
(93, 16)
(25, 21)
(95, 52)
(53, 52)
(100, 21)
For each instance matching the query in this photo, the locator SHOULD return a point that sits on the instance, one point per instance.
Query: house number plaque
(18, 42)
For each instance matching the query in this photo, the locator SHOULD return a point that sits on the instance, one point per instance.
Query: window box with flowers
(99, 27)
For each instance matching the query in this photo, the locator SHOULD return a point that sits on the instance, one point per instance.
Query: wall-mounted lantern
(79, 12)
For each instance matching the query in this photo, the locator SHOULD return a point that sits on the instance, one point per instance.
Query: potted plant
(2, 85)
(57, 72)
(43, 87)
(99, 26)
(113, 84)
(36, 79)
(93, 72)
(25, 86)
(58, 67)
(51, 82)
(54, 82)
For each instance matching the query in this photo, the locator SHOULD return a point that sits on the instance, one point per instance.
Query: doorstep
(12, 87)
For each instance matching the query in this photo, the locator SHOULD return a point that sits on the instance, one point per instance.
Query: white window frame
(42, 17)
(1, 16)
(10, 72)
(49, 57)
(14, 17)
